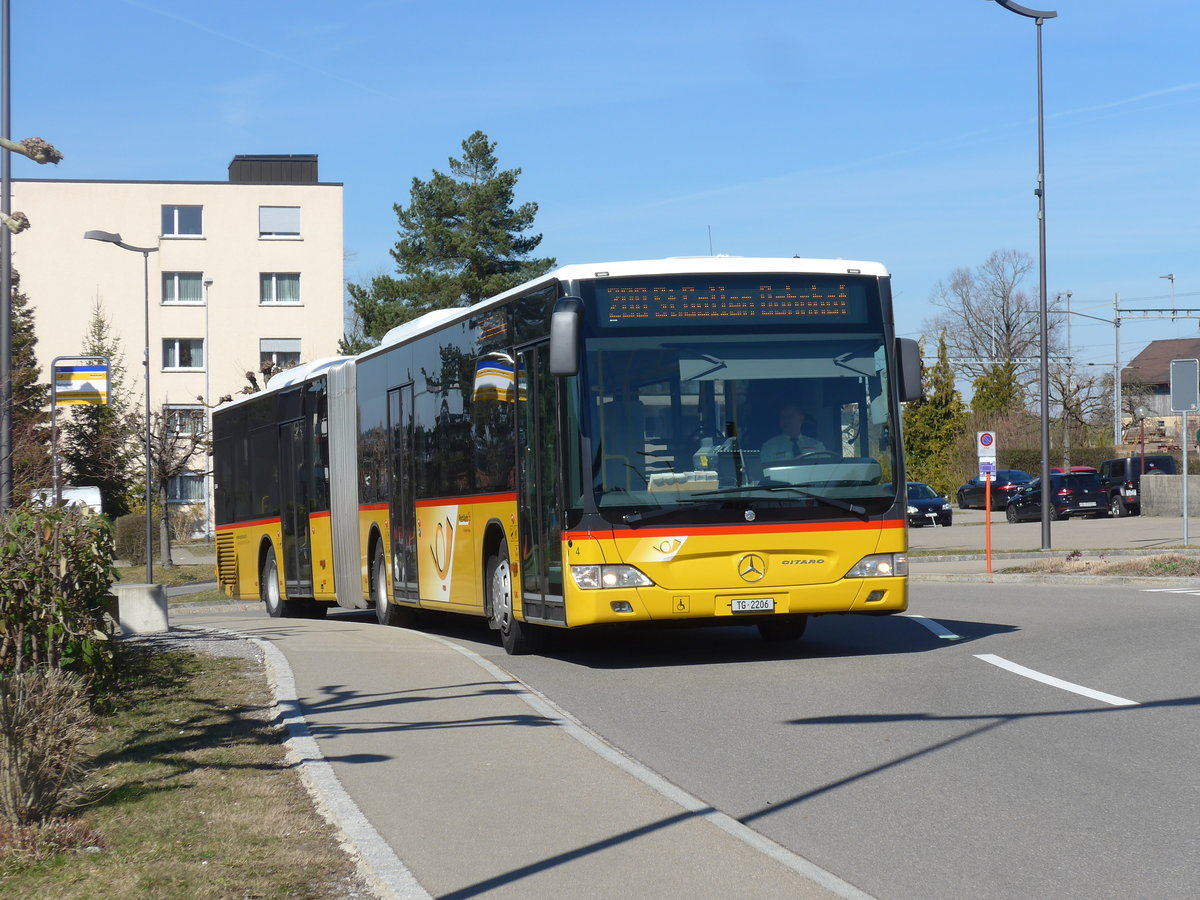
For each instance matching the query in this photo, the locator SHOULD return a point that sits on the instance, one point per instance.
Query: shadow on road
(651, 645)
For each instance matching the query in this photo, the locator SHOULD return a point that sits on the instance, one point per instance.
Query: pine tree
(998, 392)
(100, 444)
(932, 425)
(31, 462)
(461, 240)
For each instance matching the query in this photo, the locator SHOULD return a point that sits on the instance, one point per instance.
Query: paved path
(482, 788)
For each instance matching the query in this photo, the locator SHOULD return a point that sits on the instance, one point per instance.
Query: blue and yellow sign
(82, 385)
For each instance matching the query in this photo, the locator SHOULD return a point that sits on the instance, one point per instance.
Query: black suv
(1071, 494)
(1121, 479)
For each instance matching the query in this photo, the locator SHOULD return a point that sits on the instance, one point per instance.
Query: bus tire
(516, 637)
(268, 589)
(783, 628)
(386, 613)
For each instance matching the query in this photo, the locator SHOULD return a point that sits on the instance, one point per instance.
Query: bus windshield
(708, 426)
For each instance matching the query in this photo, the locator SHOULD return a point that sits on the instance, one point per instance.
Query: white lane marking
(1193, 591)
(1054, 682)
(936, 627)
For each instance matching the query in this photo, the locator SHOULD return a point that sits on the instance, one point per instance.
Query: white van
(71, 496)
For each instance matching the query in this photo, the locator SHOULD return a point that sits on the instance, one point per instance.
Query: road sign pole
(1185, 398)
(987, 520)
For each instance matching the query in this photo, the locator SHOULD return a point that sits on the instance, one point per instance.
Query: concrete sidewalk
(481, 788)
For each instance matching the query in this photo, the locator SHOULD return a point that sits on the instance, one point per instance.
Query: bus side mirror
(908, 366)
(566, 325)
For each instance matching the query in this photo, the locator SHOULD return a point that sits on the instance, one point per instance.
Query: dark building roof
(267, 168)
(1153, 365)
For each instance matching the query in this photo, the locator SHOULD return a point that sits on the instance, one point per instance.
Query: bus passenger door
(294, 491)
(400, 495)
(540, 525)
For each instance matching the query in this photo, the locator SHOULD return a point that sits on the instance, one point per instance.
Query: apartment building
(238, 272)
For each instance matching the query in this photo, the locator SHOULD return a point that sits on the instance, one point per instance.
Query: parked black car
(1071, 494)
(927, 507)
(1005, 483)
(1121, 480)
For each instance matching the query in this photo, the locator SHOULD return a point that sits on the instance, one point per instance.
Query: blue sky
(898, 131)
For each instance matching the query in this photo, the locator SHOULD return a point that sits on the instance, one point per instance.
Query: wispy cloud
(265, 51)
(1138, 98)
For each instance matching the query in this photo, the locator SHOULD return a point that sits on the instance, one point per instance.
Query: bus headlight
(880, 565)
(592, 578)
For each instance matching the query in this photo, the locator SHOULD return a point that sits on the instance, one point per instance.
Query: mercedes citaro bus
(587, 448)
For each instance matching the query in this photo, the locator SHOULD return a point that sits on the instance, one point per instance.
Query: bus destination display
(791, 299)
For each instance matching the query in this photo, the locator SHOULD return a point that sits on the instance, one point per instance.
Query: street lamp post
(111, 238)
(1171, 278)
(208, 499)
(1040, 191)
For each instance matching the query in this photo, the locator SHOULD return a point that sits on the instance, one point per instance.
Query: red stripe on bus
(720, 530)
(469, 501)
(256, 523)
(319, 515)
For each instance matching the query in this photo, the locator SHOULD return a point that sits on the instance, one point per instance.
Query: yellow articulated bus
(696, 440)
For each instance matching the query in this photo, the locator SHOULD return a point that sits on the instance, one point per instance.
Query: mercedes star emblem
(752, 567)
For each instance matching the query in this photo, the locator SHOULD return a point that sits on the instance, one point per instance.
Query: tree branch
(34, 148)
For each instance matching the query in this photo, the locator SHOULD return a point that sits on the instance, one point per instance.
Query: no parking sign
(985, 448)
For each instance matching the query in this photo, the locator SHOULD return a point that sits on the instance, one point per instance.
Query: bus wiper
(697, 501)
(792, 489)
(636, 518)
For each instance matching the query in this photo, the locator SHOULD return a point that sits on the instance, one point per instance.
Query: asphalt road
(908, 764)
(910, 767)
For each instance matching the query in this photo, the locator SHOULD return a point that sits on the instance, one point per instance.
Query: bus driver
(791, 442)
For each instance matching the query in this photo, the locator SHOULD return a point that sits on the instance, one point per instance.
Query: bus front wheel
(517, 637)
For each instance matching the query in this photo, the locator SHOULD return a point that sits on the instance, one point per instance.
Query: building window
(183, 287)
(183, 353)
(278, 288)
(281, 352)
(182, 221)
(279, 221)
(186, 488)
(185, 420)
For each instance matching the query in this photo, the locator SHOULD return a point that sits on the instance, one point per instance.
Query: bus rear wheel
(517, 637)
(387, 613)
(268, 589)
(783, 628)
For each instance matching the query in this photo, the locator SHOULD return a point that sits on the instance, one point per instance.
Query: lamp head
(1024, 11)
(102, 236)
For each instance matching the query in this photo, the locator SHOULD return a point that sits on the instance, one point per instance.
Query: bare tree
(175, 441)
(988, 318)
(1083, 402)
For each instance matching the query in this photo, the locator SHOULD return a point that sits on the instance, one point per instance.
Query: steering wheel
(813, 455)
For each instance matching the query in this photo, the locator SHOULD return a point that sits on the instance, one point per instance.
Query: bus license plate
(753, 604)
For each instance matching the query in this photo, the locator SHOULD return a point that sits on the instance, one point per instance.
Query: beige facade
(241, 270)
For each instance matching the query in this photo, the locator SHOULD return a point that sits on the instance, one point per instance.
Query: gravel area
(210, 641)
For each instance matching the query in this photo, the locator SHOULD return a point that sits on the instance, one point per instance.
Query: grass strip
(190, 797)
(168, 576)
(1162, 565)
